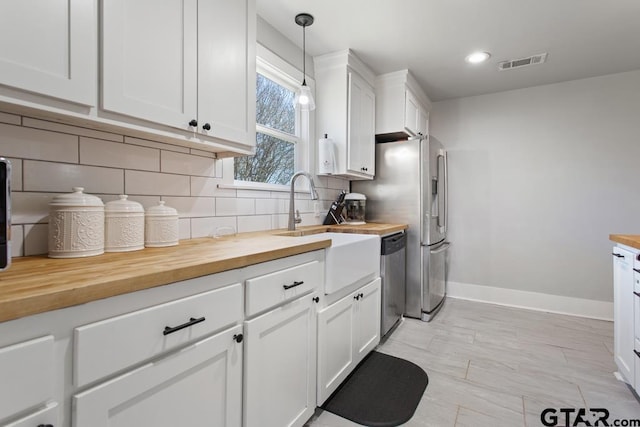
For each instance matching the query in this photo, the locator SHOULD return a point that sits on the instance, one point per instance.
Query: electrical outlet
(316, 209)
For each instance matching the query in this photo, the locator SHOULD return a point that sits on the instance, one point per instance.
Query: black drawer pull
(636, 293)
(45, 425)
(357, 297)
(618, 255)
(637, 352)
(316, 299)
(636, 270)
(293, 285)
(169, 330)
(238, 338)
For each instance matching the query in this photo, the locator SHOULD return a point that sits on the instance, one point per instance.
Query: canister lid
(77, 198)
(355, 196)
(123, 205)
(161, 210)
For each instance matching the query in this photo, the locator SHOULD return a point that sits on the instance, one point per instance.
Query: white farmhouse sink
(350, 258)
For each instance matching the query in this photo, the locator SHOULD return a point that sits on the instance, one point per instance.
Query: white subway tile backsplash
(252, 194)
(191, 207)
(50, 158)
(267, 206)
(228, 207)
(118, 155)
(25, 143)
(208, 187)
(154, 144)
(17, 240)
(187, 164)
(254, 223)
(203, 227)
(62, 177)
(11, 119)
(36, 239)
(16, 174)
(30, 208)
(184, 228)
(337, 183)
(152, 183)
(73, 130)
(279, 221)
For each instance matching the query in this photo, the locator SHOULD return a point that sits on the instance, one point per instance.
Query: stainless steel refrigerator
(410, 187)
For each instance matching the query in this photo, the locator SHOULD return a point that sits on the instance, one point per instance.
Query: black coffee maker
(5, 213)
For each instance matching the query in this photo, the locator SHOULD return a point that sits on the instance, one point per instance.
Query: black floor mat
(383, 391)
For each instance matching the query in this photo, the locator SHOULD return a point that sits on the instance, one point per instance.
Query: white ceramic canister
(76, 225)
(123, 225)
(160, 226)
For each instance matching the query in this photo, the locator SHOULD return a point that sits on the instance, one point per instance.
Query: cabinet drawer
(108, 346)
(45, 416)
(26, 372)
(275, 288)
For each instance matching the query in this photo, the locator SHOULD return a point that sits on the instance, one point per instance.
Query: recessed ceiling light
(477, 57)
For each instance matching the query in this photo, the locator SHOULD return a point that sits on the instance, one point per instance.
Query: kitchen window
(281, 129)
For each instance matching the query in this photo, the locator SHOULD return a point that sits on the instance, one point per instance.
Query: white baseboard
(580, 307)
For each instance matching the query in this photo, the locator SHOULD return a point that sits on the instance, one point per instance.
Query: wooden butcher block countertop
(632, 240)
(38, 284)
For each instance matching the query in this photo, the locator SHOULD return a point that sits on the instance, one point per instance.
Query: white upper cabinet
(345, 111)
(149, 60)
(50, 48)
(402, 108)
(226, 69)
(362, 104)
(185, 64)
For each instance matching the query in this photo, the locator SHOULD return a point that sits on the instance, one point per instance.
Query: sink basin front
(350, 258)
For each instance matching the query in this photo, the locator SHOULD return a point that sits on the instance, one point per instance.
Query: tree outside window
(276, 136)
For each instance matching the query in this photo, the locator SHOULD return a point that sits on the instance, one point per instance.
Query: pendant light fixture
(304, 98)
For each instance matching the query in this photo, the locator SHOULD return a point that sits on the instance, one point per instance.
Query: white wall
(539, 178)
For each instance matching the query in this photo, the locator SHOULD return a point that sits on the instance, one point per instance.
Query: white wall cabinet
(199, 385)
(347, 331)
(191, 67)
(345, 111)
(50, 48)
(402, 107)
(623, 312)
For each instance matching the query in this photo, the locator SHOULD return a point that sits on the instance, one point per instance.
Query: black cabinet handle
(636, 270)
(361, 295)
(169, 330)
(316, 299)
(206, 126)
(357, 297)
(193, 123)
(636, 293)
(637, 352)
(293, 285)
(45, 425)
(238, 338)
(618, 255)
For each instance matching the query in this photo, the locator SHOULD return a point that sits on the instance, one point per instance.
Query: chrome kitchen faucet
(296, 219)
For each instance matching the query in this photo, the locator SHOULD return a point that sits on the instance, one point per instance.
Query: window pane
(274, 106)
(273, 162)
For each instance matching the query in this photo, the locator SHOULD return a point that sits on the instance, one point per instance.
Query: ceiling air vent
(522, 62)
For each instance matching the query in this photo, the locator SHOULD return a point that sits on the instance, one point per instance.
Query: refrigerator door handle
(442, 202)
(441, 248)
(446, 193)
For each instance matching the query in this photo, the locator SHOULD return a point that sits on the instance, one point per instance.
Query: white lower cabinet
(347, 331)
(623, 305)
(199, 385)
(280, 365)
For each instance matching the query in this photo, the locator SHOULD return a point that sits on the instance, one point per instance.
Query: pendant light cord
(304, 56)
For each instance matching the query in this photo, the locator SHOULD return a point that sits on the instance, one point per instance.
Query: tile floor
(496, 366)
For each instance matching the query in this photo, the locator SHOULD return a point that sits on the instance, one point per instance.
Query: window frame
(281, 72)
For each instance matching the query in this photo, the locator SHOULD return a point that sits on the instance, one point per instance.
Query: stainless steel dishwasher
(392, 272)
